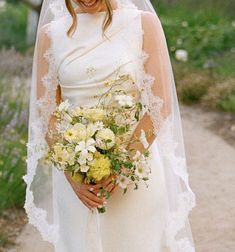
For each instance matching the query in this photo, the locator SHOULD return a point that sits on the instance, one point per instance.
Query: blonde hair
(106, 23)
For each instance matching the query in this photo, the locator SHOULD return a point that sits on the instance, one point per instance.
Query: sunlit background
(201, 41)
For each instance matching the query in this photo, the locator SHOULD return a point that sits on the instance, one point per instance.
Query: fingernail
(105, 202)
(98, 194)
(91, 189)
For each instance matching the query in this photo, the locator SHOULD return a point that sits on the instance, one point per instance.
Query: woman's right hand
(86, 193)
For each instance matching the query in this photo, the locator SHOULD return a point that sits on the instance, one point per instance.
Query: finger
(95, 190)
(109, 187)
(93, 197)
(93, 187)
(114, 190)
(91, 203)
(88, 206)
(82, 199)
(97, 193)
(109, 180)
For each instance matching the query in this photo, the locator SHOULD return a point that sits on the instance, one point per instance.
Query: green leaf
(136, 187)
(122, 130)
(137, 115)
(114, 128)
(132, 178)
(101, 210)
(107, 194)
(108, 141)
(145, 179)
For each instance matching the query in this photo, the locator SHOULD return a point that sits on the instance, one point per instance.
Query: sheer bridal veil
(157, 92)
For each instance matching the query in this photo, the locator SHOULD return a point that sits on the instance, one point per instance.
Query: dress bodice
(85, 61)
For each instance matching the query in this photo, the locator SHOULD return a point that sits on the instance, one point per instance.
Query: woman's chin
(92, 9)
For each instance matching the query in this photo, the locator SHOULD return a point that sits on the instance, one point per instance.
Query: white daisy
(123, 181)
(142, 170)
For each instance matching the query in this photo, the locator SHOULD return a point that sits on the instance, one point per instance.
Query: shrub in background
(13, 22)
(14, 95)
(221, 95)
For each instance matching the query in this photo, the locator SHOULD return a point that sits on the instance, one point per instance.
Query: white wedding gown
(133, 222)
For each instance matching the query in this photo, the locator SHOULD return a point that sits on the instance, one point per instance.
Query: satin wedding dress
(133, 222)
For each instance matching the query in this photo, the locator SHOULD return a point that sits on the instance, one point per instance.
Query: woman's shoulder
(55, 23)
(149, 17)
(150, 20)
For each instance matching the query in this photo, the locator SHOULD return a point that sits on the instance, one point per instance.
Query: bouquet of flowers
(92, 142)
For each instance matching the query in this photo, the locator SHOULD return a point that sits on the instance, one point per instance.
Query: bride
(80, 44)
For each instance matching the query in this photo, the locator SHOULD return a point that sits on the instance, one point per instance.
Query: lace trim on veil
(36, 149)
(162, 128)
(186, 199)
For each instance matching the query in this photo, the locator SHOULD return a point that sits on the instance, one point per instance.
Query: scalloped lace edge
(186, 199)
(36, 149)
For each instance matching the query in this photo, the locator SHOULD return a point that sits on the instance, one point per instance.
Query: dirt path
(211, 164)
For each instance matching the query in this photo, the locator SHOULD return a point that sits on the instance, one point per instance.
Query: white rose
(91, 129)
(81, 131)
(105, 139)
(124, 100)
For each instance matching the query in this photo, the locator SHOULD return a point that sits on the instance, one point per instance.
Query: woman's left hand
(109, 185)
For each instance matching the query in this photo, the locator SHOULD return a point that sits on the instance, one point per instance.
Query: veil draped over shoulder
(158, 92)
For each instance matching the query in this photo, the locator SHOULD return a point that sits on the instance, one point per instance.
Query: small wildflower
(181, 55)
(184, 24)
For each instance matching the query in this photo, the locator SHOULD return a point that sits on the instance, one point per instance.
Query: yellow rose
(95, 114)
(100, 168)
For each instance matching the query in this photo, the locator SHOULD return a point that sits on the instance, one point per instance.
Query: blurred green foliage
(13, 134)
(206, 31)
(13, 22)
